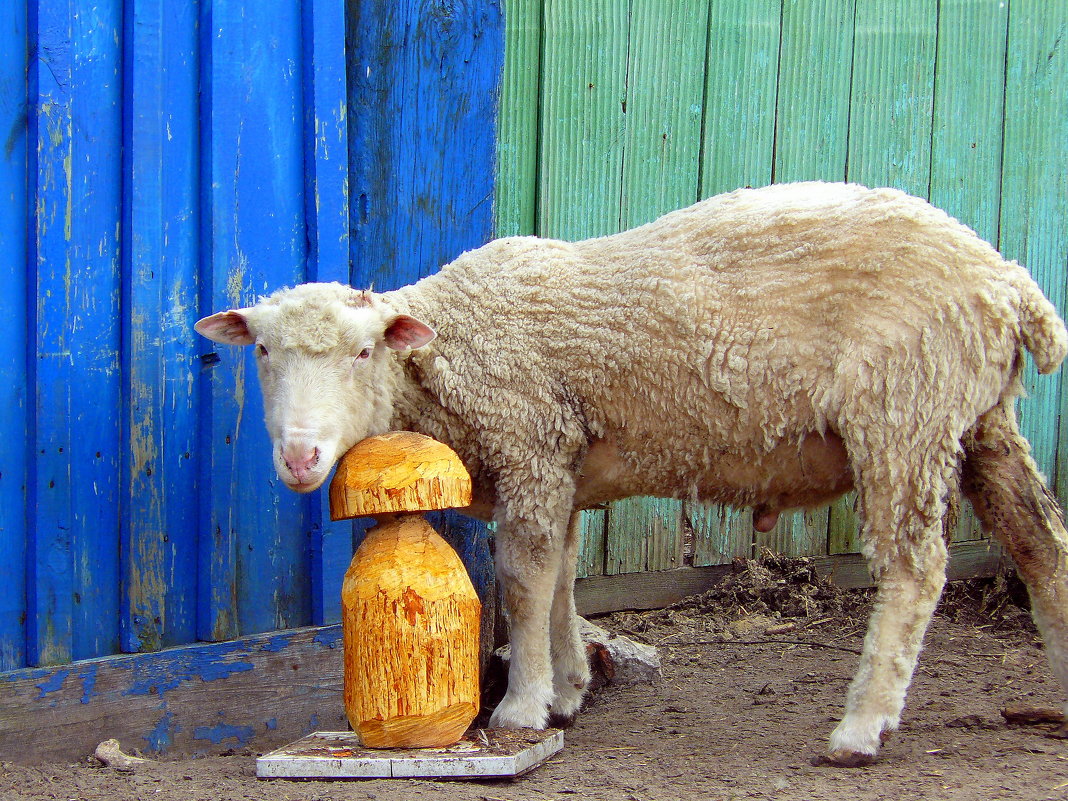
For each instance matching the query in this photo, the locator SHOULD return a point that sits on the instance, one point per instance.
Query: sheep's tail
(1041, 328)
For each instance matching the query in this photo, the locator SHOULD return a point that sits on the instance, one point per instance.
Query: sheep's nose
(300, 461)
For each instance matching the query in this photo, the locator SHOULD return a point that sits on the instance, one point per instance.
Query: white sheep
(770, 348)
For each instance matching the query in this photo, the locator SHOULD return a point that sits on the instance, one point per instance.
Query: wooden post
(410, 615)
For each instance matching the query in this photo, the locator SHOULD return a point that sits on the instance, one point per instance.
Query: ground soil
(743, 709)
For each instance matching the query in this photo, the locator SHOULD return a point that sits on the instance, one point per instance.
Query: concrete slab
(481, 754)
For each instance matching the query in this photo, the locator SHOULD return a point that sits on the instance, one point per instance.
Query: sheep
(769, 348)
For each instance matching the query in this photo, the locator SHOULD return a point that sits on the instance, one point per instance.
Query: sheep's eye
(261, 351)
(363, 354)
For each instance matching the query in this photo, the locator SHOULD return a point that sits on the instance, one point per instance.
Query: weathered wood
(720, 533)
(15, 451)
(160, 421)
(812, 111)
(264, 690)
(892, 94)
(1032, 715)
(410, 618)
(741, 73)
(75, 123)
(398, 472)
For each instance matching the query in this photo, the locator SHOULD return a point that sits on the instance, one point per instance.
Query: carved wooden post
(410, 613)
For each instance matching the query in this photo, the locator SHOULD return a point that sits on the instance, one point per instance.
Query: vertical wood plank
(517, 125)
(77, 82)
(584, 71)
(721, 534)
(253, 555)
(893, 94)
(969, 112)
(812, 111)
(160, 240)
(423, 91)
(966, 140)
(326, 203)
(1034, 189)
(661, 148)
(582, 94)
(741, 76)
(14, 452)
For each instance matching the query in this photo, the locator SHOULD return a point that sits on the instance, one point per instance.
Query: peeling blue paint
(223, 731)
(161, 737)
(206, 663)
(53, 683)
(313, 725)
(329, 637)
(271, 724)
(277, 643)
(88, 677)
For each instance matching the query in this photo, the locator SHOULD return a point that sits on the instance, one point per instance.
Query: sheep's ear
(226, 328)
(405, 332)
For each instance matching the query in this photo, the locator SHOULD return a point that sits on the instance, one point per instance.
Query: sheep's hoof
(844, 758)
(557, 721)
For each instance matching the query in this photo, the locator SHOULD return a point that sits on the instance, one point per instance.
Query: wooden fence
(616, 111)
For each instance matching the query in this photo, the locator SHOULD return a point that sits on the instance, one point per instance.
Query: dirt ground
(740, 713)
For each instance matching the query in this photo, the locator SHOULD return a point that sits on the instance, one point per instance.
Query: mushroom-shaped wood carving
(410, 613)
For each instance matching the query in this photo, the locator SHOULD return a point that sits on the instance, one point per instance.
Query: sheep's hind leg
(1011, 499)
(571, 668)
(908, 558)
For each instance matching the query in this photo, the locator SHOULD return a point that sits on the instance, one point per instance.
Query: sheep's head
(322, 352)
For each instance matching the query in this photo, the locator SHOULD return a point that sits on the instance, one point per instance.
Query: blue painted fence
(162, 159)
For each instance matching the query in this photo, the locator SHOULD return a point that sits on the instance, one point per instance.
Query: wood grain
(398, 472)
(410, 618)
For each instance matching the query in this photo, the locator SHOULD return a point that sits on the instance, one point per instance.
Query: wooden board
(741, 74)
(75, 123)
(15, 451)
(268, 689)
(159, 364)
(812, 110)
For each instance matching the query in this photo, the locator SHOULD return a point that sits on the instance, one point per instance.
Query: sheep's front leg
(571, 668)
(530, 546)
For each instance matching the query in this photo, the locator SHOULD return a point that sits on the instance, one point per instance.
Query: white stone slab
(483, 753)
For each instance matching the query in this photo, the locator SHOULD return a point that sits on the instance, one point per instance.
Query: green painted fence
(616, 111)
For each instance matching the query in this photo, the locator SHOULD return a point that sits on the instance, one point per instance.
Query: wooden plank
(968, 112)
(159, 542)
(583, 95)
(798, 533)
(812, 110)
(73, 610)
(326, 209)
(665, 92)
(720, 533)
(893, 94)
(14, 436)
(261, 691)
(517, 125)
(1034, 190)
(591, 553)
(423, 104)
(739, 111)
(254, 574)
(598, 595)
(643, 534)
